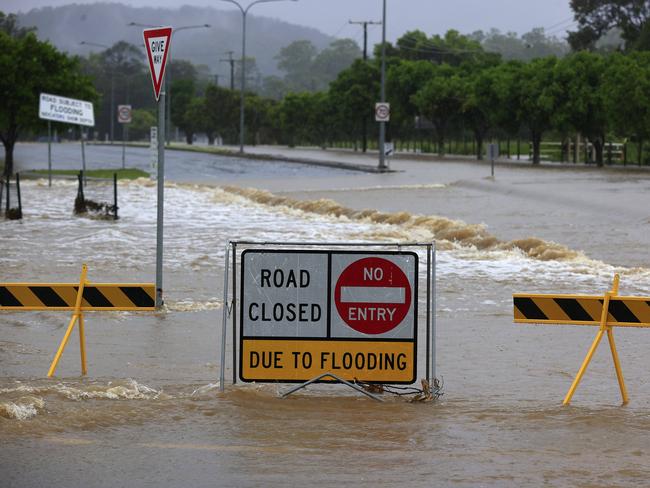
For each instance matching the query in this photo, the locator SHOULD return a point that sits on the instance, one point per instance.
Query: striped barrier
(62, 296)
(79, 298)
(606, 311)
(581, 310)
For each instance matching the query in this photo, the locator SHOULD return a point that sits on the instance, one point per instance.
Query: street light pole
(244, 12)
(382, 96)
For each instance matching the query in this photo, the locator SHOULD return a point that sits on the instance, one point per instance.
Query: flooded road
(149, 412)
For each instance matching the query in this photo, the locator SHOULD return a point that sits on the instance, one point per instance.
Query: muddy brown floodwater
(150, 413)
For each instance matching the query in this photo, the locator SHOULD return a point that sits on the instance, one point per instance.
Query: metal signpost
(68, 111)
(157, 42)
(493, 153)
(335, 314)
(124, 118)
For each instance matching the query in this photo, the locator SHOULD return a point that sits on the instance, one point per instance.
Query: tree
(296, 61)
(121, 71)
(183, 91)
(274, 87)
(579, 79)
(597, 17)
(222, 106)
(626, 84)
(196, 119)
(9, 25)
(338, 56)
(141, 122)
(440, 100)
(404, 79)
(353, 94)
(484, 104)
(531, 45)
(534, 98)
(30, 67)
(453, 49)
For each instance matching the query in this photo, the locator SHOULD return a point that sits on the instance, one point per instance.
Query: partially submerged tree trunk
(536, 137)
(9, 141)
(598, 143)
(9, 157)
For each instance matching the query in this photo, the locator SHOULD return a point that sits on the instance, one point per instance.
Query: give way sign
(157, 41)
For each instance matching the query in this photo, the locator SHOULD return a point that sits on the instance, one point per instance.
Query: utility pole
(364, 118)
(232, 67)
(365, 24)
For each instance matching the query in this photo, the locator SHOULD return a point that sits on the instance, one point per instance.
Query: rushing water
(149, 413)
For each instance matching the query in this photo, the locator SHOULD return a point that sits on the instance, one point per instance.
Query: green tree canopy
(440, 100)
(597, 17)
(30, 67)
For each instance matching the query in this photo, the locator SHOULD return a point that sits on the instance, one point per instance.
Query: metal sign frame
(231, 308)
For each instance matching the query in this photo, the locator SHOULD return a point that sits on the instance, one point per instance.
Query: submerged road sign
(157, 43)
(305, 313)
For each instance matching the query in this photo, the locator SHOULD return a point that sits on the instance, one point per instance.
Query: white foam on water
(22, 409)
(113, 390)
(199, 220)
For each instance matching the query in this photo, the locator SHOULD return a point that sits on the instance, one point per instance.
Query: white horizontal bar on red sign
(372, 294)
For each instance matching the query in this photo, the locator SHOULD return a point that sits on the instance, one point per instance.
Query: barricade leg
(77, 315)
(82, 344)
(64, 341)
(583, 368)
(617, 365)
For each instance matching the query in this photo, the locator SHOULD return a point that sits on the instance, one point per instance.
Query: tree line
(449, 86)
(441, 88)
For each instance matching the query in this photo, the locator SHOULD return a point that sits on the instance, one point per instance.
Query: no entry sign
(304, 313)
(372, 295)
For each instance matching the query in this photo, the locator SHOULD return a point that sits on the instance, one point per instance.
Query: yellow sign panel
(289, 360)
(581, 310)
(63, 296)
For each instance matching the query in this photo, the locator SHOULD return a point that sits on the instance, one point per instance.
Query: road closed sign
(305, 313)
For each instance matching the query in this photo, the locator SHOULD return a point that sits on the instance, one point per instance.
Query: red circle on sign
(372, 295)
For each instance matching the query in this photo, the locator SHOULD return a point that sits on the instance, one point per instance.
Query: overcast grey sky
(431, 16)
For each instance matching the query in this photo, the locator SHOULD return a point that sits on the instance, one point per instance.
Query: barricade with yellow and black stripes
(79, 298)
(606, 311)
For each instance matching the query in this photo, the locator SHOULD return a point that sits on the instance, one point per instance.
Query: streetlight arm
(87, 43)
(237, 4)
(200, 26)
(265, 1)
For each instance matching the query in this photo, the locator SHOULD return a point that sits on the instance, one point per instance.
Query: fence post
(20, 205)
(115, 196)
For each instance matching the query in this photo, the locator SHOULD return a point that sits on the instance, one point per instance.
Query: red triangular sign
(157, 41)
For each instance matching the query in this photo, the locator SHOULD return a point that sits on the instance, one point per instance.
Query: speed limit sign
(124, 114)
(382, 112)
